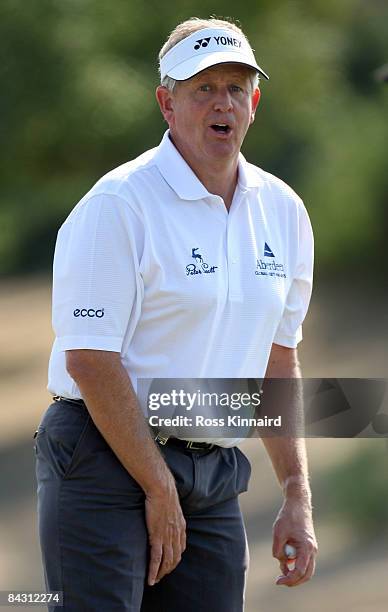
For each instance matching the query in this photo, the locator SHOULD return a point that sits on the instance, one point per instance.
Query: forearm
(112, 404)
(287, 452)
(289, 459)
(294, 522)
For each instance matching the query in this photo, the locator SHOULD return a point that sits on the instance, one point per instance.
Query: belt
(183, 444)
(163, 440)
(60, 398)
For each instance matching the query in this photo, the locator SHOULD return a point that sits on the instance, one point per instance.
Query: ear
(165, 100)
(255, 103)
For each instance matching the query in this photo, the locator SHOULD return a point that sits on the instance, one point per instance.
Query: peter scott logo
(89, 312)
(202, 267)
(271, 268)
(220, 40)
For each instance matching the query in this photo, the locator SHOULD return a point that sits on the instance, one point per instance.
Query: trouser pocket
(59, 439)
(204, 480)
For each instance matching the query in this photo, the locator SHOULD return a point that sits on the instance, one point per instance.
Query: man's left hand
(294, 525)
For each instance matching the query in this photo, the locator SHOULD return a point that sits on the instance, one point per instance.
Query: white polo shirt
(151, 265)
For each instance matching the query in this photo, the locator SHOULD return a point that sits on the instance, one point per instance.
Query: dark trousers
(92, 526)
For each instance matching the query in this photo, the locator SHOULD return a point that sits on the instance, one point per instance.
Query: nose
(223, 101)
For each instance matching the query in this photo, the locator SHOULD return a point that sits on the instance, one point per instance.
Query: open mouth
(221, 128)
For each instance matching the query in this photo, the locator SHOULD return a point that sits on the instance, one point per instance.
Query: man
(163, 271)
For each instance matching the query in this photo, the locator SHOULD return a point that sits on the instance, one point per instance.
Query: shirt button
(234, 260)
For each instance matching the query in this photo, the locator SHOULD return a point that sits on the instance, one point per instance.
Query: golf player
(187, 262)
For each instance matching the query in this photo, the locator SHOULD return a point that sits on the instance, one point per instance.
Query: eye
(236, 88)
(204, 87)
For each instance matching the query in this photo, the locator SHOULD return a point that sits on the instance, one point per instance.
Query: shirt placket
(233, 250)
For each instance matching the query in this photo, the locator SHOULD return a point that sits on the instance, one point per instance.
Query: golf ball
(290, 552)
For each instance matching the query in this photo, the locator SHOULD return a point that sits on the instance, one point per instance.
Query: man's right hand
(166, 531)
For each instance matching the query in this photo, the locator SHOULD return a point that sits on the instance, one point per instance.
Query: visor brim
(192, 66)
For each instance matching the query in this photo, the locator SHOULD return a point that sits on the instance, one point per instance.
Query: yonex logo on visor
(202, 42)
(220, 40)
(206, 48)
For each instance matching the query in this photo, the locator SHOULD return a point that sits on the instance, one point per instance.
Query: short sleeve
(97, 286)
(289, 331)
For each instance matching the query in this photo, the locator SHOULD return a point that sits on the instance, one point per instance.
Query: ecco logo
(220, 40)
(89, 312)
(202, 42)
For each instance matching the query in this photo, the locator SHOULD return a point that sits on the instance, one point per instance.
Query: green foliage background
(355, 492)
(78, 77)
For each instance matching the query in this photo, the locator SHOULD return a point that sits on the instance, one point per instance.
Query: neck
(218, 176)
(219, 181)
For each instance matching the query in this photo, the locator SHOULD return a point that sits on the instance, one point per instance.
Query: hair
(184, 29)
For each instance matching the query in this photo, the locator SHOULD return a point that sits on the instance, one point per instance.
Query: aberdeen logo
(226, 41)
(271, 268)
(89, 312)
(202, 267)
(267, 251)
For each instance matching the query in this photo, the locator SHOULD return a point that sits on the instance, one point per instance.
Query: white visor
(205, 48)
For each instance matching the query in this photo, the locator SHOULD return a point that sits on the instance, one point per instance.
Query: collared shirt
(151, 265)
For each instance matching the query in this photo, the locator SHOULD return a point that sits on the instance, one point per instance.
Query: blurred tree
(78, 79)
(356, 492)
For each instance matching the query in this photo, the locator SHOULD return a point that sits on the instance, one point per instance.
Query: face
(210, 113)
